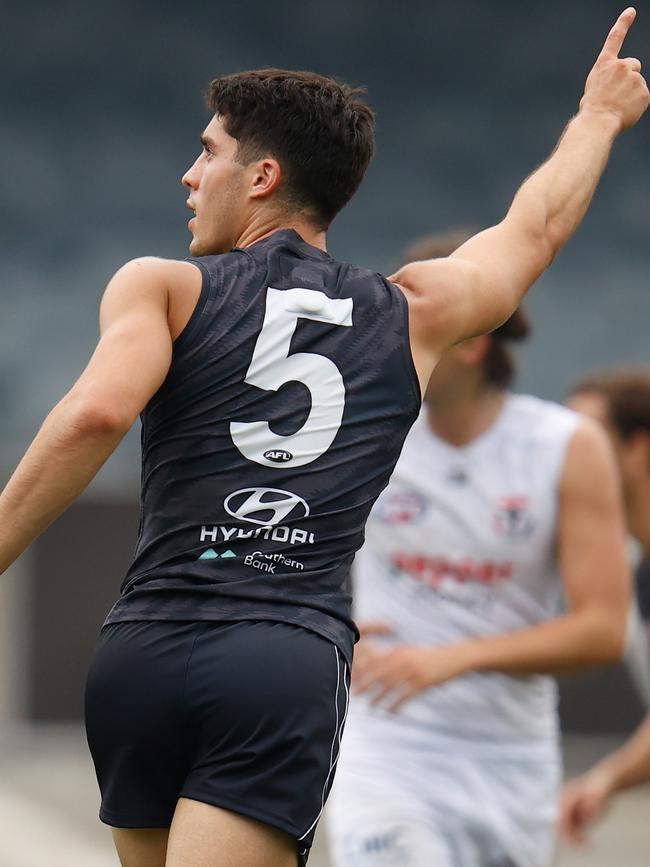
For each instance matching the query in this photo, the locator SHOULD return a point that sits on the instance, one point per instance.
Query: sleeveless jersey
(462, 544)
(289, 396)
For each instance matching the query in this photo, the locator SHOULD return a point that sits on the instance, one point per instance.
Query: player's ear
(266, 177)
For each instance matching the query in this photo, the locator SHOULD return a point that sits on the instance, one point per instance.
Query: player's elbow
(615, 646)
(94, 416)
(105, 420)
(608, 635)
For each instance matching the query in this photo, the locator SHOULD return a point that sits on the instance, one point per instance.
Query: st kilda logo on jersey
(265, 506)
(512, 518)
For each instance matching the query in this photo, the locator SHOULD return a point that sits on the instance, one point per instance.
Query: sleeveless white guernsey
(462, 543)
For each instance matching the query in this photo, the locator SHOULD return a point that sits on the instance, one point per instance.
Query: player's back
(288, 399)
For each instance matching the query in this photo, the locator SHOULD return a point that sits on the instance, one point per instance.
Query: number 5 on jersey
(272, 366)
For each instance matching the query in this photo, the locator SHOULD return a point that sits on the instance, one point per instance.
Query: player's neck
(638, 515)
(263, 225)
(464, 415)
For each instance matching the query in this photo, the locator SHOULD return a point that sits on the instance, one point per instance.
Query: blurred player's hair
(499, 367)
(317, 128)
(627, 393)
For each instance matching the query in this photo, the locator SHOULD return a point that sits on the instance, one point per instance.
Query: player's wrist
(605, 120)
(473, 655)
(605, 778)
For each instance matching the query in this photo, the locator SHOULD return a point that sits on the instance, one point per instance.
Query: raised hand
(615, 86)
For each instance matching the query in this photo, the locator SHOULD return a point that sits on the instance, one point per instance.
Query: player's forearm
(576, 640)
(552, 202)
(66, 454)
(630, 765)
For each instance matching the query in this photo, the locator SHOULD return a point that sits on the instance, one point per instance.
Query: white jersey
(462, 543)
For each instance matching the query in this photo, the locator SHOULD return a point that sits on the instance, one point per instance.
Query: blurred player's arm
(475, 289)
(128, 366)
(597, 581)
(586, 798)
(595, 571)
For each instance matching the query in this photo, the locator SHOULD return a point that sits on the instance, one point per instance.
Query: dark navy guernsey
(285, 408)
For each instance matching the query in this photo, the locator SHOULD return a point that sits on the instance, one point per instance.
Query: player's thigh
(376, 819)
(519, 819)
(389, 838)
(205, 836)
(141, 847)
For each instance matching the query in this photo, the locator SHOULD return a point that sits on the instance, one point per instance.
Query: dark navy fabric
(230, 714)
(643, 588)
(224, 537)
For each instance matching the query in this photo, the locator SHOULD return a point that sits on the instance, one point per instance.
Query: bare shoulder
(162, 272)
(436, 291)
(171, 283)
(590, 462)
(433, 290)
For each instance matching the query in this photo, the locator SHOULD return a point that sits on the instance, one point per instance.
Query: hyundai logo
(278, 456)
(265, 506)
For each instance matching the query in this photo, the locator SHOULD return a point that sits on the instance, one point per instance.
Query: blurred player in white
(620, 400)
(495, 557)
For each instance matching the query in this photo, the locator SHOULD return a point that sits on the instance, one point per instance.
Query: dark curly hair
(627, 392)
(319, 131)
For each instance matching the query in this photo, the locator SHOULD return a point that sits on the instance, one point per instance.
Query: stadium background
(101, 113)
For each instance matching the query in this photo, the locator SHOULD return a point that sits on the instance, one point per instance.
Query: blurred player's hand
(615, 85)
(584, 800)
(399, 674)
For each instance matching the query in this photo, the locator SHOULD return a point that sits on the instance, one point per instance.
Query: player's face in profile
(216, 182)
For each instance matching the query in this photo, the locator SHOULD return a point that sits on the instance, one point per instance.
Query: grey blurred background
(101, 111)
(101, 107)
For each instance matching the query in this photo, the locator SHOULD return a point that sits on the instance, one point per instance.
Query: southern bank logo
(265, 506)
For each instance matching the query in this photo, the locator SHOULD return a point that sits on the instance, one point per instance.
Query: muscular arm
(477, 288)
(128, 366)
(597, 582)
(596, 575)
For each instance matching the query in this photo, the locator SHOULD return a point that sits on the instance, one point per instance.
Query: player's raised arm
(479, 286)
(128, 366)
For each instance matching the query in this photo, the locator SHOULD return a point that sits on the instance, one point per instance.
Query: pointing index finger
(616, 36)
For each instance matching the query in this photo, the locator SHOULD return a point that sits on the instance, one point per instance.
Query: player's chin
(200, 246)
(196, 247)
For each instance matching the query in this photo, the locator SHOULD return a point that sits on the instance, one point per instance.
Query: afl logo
(265, 506)
(278, 456)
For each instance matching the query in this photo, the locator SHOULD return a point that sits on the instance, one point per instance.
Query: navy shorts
(247, 716)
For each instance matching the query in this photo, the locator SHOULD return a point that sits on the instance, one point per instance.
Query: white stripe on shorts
(336, 740)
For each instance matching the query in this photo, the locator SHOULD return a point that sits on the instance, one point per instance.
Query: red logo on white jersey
(401, 507)
(512, 518)
(432, 570)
